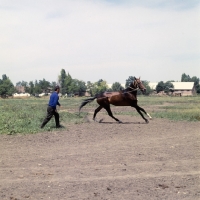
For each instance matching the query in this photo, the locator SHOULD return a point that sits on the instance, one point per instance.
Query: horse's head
(137, 83)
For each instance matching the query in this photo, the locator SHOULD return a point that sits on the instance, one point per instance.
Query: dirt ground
(131, 161)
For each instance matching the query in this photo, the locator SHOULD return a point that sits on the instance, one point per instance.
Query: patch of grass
(26, 116)
(181, 108)
(179, 115)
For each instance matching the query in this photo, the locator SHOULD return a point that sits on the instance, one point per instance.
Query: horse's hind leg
(96, 111)
(110, 113)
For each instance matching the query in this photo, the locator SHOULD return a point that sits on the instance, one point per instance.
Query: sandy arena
(107, 161)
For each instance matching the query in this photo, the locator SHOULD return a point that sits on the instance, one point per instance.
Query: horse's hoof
(120, 122)
(95, 120)
(147, 121)
(100, 120)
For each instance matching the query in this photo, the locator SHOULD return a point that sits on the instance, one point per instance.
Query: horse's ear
(134, 77)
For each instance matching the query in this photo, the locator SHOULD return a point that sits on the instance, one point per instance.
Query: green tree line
(6, 86)
(187, 78)
(72, 86)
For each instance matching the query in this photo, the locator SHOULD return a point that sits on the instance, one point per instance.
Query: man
(51, 109)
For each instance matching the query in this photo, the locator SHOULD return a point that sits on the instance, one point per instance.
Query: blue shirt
(53, 101)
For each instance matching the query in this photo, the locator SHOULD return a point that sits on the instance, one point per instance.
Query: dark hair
(56, 87)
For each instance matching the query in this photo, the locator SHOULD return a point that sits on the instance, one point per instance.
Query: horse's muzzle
(144, 90)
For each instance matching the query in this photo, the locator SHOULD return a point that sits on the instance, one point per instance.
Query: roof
(153, 85)
(183, 85)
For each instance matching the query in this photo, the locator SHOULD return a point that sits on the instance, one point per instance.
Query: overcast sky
(99, 39)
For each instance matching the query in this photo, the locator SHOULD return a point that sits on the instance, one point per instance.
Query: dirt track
(134, 160)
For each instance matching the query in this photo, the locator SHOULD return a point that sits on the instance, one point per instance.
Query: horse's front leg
(139, 109)
(144, 112)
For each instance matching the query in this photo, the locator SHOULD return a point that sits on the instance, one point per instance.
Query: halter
(133, 89)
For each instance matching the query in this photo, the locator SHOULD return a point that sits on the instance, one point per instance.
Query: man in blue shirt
(51, 109)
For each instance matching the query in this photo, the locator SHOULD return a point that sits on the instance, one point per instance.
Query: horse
(127, 97)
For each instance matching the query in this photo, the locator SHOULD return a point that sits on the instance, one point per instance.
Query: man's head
(57, 89)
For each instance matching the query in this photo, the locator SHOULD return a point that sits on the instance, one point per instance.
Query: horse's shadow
(102, 122)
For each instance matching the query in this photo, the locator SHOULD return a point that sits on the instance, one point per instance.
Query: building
(183, 89)
(153, 85)
(180, 88)
(20, 89)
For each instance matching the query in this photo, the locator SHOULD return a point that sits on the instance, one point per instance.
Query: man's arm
(58, 102)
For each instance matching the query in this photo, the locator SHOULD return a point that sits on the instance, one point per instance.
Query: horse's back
(117, 99)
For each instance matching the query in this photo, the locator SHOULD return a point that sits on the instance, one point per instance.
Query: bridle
(133, 89)
(136, 88)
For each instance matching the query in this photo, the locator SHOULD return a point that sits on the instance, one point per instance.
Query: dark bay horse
(127, 97)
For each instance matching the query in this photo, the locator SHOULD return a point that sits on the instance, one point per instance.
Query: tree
(65, 80)
(129, 81)
(53, 84)
(62, 80)
(44, 85)
(68, 82)
(89, 87)
(31, 87)
(187, 78)
(160, 86)
(6, 86)
(100, 86)
(4, 77)
(97, 87)
(25, 85)
(148, 89)
(166, 87)
(116, 87)
(196, 83)
(37, 89)
(99, 82)
(73, 88)
(82, 87)
(69, 85)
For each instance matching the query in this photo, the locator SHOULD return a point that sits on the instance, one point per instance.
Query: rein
(133, 89)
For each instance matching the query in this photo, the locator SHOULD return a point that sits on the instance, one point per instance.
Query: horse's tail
(86, 101)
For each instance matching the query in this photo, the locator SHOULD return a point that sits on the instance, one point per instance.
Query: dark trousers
(50, 113)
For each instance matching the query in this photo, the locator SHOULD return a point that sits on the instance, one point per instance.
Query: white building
(180, 88)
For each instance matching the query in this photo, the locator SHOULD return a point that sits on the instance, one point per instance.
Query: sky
(156, 40)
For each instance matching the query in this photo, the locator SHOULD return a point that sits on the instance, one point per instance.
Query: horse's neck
(130, 91)
(131, 88)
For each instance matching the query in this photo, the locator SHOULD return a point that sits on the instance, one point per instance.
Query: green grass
(180, 108)
(26, 115)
